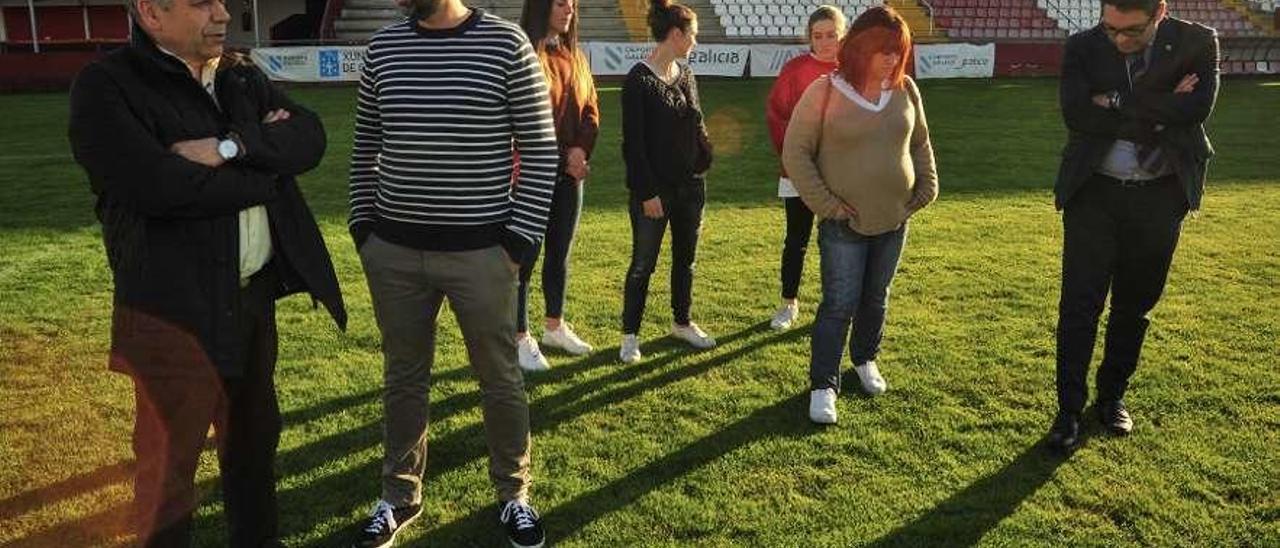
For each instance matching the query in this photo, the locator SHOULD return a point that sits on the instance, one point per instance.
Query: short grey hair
(132, 6)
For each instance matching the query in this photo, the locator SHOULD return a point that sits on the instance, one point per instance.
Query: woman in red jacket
(826, 28)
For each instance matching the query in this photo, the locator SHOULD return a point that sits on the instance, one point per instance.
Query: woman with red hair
(858, 152)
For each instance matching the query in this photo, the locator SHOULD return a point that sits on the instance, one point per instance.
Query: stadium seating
(1250, 56)
(776, 18)
(358, 19)
(1076, 15)
(67, 26)
(1268, 6)
(995, 20)
(1229, 22)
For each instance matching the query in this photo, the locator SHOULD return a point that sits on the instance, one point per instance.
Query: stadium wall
(47, 71)
(55, 70)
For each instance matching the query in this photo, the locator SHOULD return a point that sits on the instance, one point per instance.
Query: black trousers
(796, 243)
(1117, 239)
(173, 418)
(683, 208)
(562, 224)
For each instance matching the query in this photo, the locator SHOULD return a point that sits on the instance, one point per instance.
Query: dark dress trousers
(1120, 235)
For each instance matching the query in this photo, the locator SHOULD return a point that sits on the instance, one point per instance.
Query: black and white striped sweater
(441, 117)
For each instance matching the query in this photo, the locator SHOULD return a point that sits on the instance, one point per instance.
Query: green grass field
(714, 448)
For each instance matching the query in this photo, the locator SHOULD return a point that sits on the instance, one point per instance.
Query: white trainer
(693, 335)
(872, 382)
(531, 358)
(630, 349)
(822, 406)
(785, 316)
(565, 339)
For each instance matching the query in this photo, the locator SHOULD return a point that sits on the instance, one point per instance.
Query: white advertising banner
(310, 64)
(767, 59)
(955, 61)
(342, 63)
(617, 58)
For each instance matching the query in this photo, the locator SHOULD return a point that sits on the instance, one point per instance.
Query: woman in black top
(665, 147)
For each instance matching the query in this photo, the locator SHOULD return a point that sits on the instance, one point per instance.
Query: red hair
(878, 30)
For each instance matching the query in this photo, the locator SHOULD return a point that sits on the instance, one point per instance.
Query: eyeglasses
(1128, 32)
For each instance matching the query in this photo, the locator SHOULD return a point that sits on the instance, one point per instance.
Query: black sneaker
(524, 527)
(384, 523)
(1115, 416)
(1064, 435)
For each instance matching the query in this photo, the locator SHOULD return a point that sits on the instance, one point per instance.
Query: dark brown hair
(535, 20)
(665, 15)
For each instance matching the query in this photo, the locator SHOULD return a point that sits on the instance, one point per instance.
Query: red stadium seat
(108, 24)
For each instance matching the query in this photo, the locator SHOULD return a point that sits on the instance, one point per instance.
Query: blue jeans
(856, 272)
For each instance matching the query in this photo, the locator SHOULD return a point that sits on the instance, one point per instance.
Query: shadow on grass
(965, 517)
(460, 447)
(113, 521)
(72, 487)
(100, 525)
(92, 530)
(784, 418)
(961, 519)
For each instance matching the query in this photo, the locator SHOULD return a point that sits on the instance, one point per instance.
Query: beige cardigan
(878, 163)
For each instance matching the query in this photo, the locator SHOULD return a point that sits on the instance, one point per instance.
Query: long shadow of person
(965, 517)
(784, 418)
(113, 520)
(467, 444)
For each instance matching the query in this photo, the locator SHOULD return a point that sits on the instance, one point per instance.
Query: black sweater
(664, 139)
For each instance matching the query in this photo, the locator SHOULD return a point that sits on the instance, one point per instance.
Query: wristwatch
(229, 147)
(1113, 100)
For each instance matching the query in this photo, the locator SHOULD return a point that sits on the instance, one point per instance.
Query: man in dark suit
(1135, 92)
(192, 156)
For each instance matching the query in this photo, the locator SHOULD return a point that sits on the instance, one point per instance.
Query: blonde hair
(827, 13)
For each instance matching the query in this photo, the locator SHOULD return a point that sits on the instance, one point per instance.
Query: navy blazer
(1092, 65)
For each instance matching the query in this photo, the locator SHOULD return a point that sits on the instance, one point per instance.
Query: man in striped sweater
(448, 99)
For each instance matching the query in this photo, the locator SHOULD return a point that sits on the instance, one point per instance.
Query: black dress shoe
(1115, 417)
(1064, 435)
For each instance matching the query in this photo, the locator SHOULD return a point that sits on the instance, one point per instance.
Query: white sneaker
(872, 382)
(822, 406)
(630, 350)
(531, 358)
(785, 316)
(565, 339)
(693, 335)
